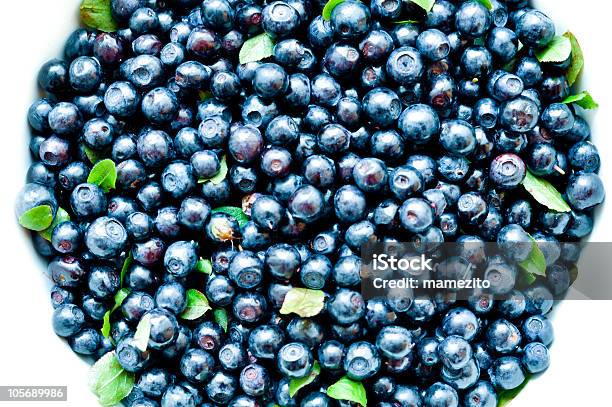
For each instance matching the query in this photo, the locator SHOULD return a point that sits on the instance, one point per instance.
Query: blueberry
(351, 20)
(68, 319)
(53, 76)
(433, 44)
(346, 307)
(481, 395)
(507, 171)
(86, 342)
(65, 119)
(129, 355)
(585, 190)
(361, 361)
(506, 373)
(455, 352)
(419, 123)
(473, 19)
(583, 156)
(294, 360)
(535, 29)
(197, 365)
(280, 19)
(405, 65)
(159, 105)
(441, 394)
(85, 74)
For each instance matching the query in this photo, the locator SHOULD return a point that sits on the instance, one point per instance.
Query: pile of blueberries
(382, 123)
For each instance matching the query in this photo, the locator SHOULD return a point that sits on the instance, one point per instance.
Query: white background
(33, 31)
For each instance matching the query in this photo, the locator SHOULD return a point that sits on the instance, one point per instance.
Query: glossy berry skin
(282, 261)
(197, 365)
(481, 395)
(405, 65)
(507, 171)
(506, 373)
(441, 394)
(346, 307)
(129, 356)
(280, 19)
(382, 106)
(419, 123)
(583, 156)
(267, 213)
(349, 204)
(534, 28)
(394, 342)
(254, 380)
(351, 20)
(455, 352)
(461, 322)
(433, 44)
(538, 328)
(585, 190)
(315, 271)
(330, 355)
(361, 361)
(180, 258)
(246, 270)
(416, 215)
(67, 320)
(270, 80)
(306, 204)
(294, 360)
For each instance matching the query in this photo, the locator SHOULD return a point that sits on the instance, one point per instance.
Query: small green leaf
(119, 297)
(37, 219)
(234, 212)
(143, 331)
(204, 95)
(535, 263)
(558, 50)
(97, 14)
(60, 216)
(582, 99)
(109, 381)
(545, 193)
(577, 62)
(104, 175)
(426, 5)
(505, 397)
(127, 263)
(487, 4)
(297, 384)
(92, 155)
(197, 305)
(219, 176)
(220, 315)
(329, 8)
(347, 389)
(204, 266)
(257, 48)
(406, 22)
(304, 302)
(480, 41)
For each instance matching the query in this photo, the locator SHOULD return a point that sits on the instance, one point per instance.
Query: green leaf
(486, 3)
(204, 95)
(257, 48)
(480, 41)
(219, 176)
(535, 263)
(220, 315)
(38, 218)
(558, 50)
(577, 62)
(127, 263)
(60, 216)
(97, 14)
(197, 305)
(406, 22)
(505, 397)
(104, 175)
(347, 389)
(582, 99)
(304, 302)
(143, 331)
(204, 266)
(424, 4)
(92, 155)
(329, 7)
(109, 381)
(234, 212)
(119, 297)
(545, 193)
(297, 384)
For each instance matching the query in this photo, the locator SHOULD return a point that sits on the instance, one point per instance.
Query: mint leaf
(219, 176)
(204, 266)
(329, 7)
(426, 5)
(104, 175)
(60, 216)
(257, 48)
(535, 263)
(347, 389)
(143, 331)
(297, 384)
(486, 3)
(220, 315)
(127, 263)
(545, 193)
(505, 397)
(582, 99)
(558, 50)
(197, 305)
(119, 297)
(304, 302)
(37, 219)
(92, 155)
(97, 14)
(577, 62)
(109, 381)
(234, 212)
